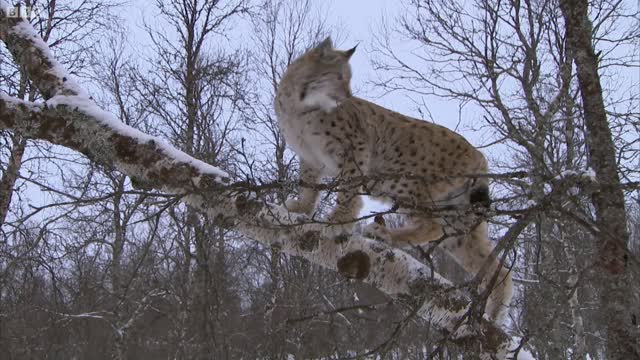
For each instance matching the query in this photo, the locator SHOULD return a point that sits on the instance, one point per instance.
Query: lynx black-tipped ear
(350, 52)
(325, 45)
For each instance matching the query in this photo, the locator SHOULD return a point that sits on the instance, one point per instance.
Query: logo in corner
(25, 12)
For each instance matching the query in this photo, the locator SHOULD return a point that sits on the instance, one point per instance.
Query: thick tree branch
(140, 156)
(72, 120)
(32, 53)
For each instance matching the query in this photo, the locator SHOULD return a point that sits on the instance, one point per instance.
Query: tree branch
(69, 118)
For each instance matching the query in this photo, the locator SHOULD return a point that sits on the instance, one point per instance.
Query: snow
(523, 280)
(590, 174)
(82, 102)
(15, 101)
(25, 30)
(522, 353)
(565, 174)
(88, 107)
(89, 315)
(525, 355)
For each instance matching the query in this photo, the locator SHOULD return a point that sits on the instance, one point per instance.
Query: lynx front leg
(347, 208)
(306, 201)
(348, 202)
(418, 232)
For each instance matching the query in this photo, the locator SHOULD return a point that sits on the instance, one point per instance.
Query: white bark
(74, 121)
(577, 327)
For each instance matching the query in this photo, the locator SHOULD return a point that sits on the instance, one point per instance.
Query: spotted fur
(414, 163)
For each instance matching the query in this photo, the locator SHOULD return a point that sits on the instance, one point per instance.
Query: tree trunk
(11, 174)
(272, 322)
(611, 219)
(577, 323)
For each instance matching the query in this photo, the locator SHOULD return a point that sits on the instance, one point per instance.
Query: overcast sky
(358, 21)
(361, 19)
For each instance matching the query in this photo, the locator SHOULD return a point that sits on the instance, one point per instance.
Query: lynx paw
(339, 233)
(496, 310)
(296, 206)
(377, 232)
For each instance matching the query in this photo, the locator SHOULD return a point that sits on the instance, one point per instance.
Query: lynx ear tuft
(325, 47)
(350, 52)
(326, 44)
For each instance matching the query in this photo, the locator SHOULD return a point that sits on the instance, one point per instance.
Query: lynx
(344, 137)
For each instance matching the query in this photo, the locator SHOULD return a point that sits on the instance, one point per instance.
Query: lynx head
(323, 74)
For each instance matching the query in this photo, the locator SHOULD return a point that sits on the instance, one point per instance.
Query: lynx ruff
(344, 137)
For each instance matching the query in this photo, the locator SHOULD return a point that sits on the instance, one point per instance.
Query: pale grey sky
(358, 20)
(361, 19)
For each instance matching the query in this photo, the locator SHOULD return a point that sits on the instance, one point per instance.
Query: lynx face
(326, 76)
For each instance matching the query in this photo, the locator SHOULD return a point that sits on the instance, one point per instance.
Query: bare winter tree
(71, 119)
(155, 186)
(32, 234)
(514, 61)
(614, 261)
(192, 95)
(282, 31)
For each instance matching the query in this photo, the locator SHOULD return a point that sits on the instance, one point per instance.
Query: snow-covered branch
(70, 118)
(74, 124)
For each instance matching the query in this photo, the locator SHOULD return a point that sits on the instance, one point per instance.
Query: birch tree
(610, 213)
(70, 118)
(192, 95)
(512, 63)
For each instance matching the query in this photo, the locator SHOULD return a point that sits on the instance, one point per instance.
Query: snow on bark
(102, 138)
(81, 127)
(88, 107)
(70, 118)
(32, 53)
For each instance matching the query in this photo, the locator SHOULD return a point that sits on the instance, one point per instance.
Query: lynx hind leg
(471, 252)
(305, 203)
(417, 232)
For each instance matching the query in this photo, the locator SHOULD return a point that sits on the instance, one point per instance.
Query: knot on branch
(309, 240)
(223, 221)
(379, 219)
(355, 265)
(471, 341)
(440, 294)
(247, 206)
(139, 183)
(613, 258)
(341, 238)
